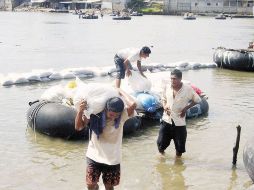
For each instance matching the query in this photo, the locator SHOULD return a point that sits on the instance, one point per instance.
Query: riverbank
(109, 11)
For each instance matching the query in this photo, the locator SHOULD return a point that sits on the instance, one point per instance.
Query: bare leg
(178, 154)
(118, 83)
(93, 187)
(107, 187)
(161, 153)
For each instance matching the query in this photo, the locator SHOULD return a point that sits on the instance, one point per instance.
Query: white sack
(96, 96)
(55, 76)
(55, 93)
(138, 83)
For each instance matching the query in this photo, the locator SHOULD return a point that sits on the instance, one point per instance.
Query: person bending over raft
(175, 100)
(104, 149)
(123, 60)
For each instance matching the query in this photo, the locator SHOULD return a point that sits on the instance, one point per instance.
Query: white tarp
(88, 1)
(38, 1)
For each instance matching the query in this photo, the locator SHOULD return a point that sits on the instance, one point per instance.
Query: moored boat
(121, 18)
(59, 11)
(189, 16)
(220, 17)
(90, 17)
(135, 13)
(235, 59)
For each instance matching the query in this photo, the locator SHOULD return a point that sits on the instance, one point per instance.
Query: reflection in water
(48, 22)
(60, 151)
(233, 179)
(171, 174)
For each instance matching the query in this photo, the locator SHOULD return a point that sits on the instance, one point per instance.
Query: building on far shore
(245, 7)
(81, 4)
(6, 5)
(173, 7)
(68, 4)
(119, 4)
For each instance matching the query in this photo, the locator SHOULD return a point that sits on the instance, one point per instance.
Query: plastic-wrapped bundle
(96, 96)
(148, 102)
(55, 94)
(138, 83)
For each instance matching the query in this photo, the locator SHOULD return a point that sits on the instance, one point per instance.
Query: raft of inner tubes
(248, 157)
(234, 59)
(57, 120)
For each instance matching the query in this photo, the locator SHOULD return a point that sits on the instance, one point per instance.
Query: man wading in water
(176, 99)
(104, 148)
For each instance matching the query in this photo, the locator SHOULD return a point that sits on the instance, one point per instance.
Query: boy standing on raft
(104, 148)
(175, 100)
(123, 59)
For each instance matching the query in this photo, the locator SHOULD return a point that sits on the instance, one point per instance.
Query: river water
(41, 41)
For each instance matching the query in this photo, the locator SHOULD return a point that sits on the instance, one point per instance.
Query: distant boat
(59, 11)
(189, 16)
(90, 16)
(234, 59)
(220, 17)
(121, 18)
(135, 13)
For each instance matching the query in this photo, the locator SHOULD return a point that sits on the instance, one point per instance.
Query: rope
(221, 60)
(238, 50)
(251, 58)
(34, 113)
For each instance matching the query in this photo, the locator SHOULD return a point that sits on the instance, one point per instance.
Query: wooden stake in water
(235, 149)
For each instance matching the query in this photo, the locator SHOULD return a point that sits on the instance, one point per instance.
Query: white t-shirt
(181, 100)
(107, 148)
(132, 54)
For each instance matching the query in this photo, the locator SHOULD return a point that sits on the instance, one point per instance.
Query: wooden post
(236, 147)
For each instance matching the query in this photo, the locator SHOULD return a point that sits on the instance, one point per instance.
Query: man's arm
(164, 101)
(195, 99)
(187, 107)
(131, 104)
(140, 68)
(126, 66)
(81, 120)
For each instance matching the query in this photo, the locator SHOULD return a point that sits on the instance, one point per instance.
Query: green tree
(136, 4)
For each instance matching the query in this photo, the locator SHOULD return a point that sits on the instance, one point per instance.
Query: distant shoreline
(49, 10)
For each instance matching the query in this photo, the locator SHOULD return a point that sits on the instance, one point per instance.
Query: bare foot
(161, 156)
(178, 154)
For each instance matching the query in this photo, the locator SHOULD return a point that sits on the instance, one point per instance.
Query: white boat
(135, 13)
(220, 17)
(189, 16)
(121, 18)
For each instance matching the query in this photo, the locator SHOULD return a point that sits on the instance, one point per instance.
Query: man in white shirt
(177, 98)
(123, 60)
(104, 148)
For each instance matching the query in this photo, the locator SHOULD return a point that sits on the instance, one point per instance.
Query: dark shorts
(120, 69)
(110, 173)
(170, 131)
